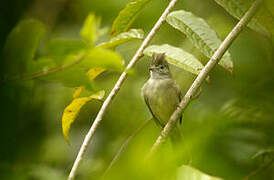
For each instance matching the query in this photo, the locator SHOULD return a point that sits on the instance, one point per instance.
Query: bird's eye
(161, 67)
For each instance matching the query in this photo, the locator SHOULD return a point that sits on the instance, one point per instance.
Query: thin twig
(78, 59)
(116, 88)
(259, 169)
(124, 145)
(204, 73)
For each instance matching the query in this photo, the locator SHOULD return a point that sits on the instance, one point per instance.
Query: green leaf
(104, 58)
(21, 45)
(78, 91)
(177, 57)
(127, 16)
(58, 49)
(89, 29)
(132, 34)
(237, 9)
(72, 110)
(264, 152)
(190, 173)
(269, 4)
(72, 73)
(75, 71)
(200, 34)
(94, 72)
(265, 15)
(40, 65)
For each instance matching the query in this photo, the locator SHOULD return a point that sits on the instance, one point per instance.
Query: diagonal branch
(116, 88)
(204, 73)
(124, 145)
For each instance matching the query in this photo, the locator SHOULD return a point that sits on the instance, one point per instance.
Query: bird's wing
(156, 120)
(180, 96)
(180, 99)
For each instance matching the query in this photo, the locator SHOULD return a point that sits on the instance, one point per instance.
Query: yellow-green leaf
(77, 92)
(89, 29)
(127, 16)
(21, 45)
(58, 49)
(74, 70)
(104, 58)
(190, 173)
(237, 9)
(94, 72)
(200, 34)
(72, 110)
(121, 38)
(177, 57)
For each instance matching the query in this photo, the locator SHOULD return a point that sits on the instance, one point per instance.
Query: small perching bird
(162, 93)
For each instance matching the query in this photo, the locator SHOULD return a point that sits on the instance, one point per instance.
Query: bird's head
(159, 67)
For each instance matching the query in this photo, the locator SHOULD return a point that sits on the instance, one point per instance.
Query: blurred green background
(231, 121)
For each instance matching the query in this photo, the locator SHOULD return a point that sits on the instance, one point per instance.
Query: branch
(204, 73)
(78, 59)
(116, 88)
(117, 155)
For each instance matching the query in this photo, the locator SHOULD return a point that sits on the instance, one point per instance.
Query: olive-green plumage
(161, 93)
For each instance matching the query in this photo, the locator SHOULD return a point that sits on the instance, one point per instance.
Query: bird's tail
(182, 153)
(176, 137)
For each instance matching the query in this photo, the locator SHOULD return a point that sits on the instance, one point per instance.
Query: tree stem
(204, 73)
(116, 88)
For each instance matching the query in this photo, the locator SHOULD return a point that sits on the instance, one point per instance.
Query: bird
(162, 94)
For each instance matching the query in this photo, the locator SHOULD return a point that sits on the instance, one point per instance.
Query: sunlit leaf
(77, 92)
(177, 57)
(40, 65)
(103, 58)
(89, 29)
(72, 110)
(74, 71)
(103, 31)
(190, 173)
(21, 45)
(237, 8)
(94, 72)
(127, 16)
(200, 34)
(122, 38)
(58, 49)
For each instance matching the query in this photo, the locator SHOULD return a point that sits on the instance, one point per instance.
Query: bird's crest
(158, 59)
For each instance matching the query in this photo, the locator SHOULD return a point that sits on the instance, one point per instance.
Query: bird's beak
(151, 68)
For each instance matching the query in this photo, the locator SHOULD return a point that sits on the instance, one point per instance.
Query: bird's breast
(162, 97)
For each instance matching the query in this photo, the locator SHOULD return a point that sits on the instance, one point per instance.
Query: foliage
(123, 37)
(72, 110)
(30, 32)
(262, 22)
(127, 16)
(177, 57)
(200, 34)
(51, 74)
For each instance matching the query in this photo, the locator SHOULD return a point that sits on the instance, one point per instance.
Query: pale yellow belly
(163, 99)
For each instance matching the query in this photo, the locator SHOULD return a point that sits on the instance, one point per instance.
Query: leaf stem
(126, 142)
(115, 90)
(204, 73)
